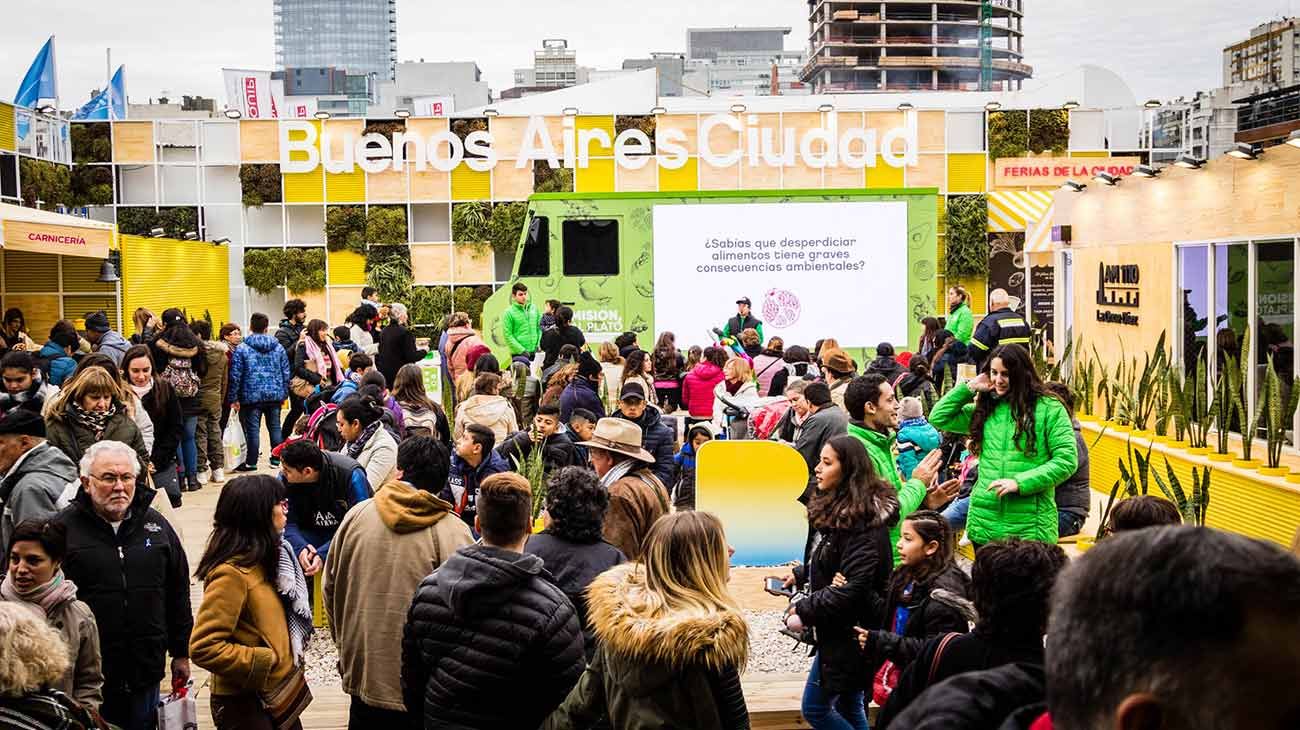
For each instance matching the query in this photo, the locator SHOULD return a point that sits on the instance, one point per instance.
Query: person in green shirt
(521, 324)
(873, 420)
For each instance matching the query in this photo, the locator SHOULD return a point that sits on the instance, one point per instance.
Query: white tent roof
(9, 212)
(631, 93)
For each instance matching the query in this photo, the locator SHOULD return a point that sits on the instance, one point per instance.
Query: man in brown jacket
(384, 547)
(636, 496)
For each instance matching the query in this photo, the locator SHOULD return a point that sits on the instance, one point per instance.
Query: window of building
(590, 247)
(536, 257)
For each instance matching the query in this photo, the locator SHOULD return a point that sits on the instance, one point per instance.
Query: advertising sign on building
(432, 106)
(251, 93)
(1054, 171)
(57, 239)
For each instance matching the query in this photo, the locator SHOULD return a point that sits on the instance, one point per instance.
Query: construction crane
(986, 45)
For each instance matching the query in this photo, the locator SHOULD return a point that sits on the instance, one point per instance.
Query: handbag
(302, 387)
(885, 681)
(286, 702)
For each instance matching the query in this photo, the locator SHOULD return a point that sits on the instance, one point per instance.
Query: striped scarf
(291, 584)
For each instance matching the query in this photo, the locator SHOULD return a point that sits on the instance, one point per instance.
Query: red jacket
(697, 389)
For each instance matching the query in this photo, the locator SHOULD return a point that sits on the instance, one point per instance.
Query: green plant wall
(345, 228)
(305, 269)
(470, 222)
(265, 268)
(44, 182)
(1008, 134)
(386, 225)
(967, 251)
(259, 184)
(506, 226)
(1049, 131)
(388, 269)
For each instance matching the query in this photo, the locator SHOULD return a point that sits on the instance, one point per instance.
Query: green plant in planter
(44, 182)
(471, 222)
(1083, 381)
(1249, 421)
(1162, 399)
(533, 468)
(386, 226)
(967, 253)
(1194, 505)
(466, 300)
(136, 221)
(265, 268)
(1177, 410)
(506, 225)
(345, 228)
(1195, 405)
(1104, 386)
(1049, 131)
(1008, 134)
(178, 221)
(305, 270)
(90, 185)
(1138, 389)
(547, 179)
(259, 184)
(1222, 405)
(91, 143)
(388, 269)
(1279, 414)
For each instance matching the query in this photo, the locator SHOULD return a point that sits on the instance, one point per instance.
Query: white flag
(251, 93)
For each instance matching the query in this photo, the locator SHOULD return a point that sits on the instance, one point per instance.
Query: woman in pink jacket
(461, 338)
(698, 385)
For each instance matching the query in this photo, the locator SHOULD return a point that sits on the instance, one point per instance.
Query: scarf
(355, 447)
(44, 597)
(330, 370)
(141, 390)
(733, 388)
(93, 421)
(619, 471)
(291, 584)
(9, 401)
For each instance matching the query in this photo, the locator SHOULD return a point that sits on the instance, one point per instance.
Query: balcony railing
(951, 61)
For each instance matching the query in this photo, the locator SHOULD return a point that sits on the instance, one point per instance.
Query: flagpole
(54, 61)
(108, 78)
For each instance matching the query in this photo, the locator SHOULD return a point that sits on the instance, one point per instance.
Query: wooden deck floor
(773, 699)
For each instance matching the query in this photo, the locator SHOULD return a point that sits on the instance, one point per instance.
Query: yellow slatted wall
(158, 273)
(8, 128)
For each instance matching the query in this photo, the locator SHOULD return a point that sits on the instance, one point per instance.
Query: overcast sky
(1163, 48)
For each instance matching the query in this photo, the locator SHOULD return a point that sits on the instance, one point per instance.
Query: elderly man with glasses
(130, 568)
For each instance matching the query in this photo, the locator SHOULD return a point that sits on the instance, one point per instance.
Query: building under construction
(906, 45)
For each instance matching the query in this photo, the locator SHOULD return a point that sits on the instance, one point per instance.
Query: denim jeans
(187, 454)
(250, 415)
(956, 512)
(1068, 524)
(832, 712)
(136, 709)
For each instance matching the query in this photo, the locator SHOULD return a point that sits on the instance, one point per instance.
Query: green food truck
(857, 265)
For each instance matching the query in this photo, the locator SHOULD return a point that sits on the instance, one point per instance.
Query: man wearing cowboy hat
(636, 496)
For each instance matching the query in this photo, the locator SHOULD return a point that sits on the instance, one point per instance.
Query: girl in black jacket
(928, 596)
(164, 410)
(850, 516)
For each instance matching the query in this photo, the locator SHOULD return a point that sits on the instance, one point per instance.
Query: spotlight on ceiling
(1145, 171)
(490, 112)
(322, 115)
(191, 235)
(737, 108)
(658, 110)
(906, 106)
(219, 241)
(1107, 179)
(1074, 187)
(570, 111)
(993, 106)
(402, 113)
(826, 108)
(233, 114)
(1294, 139)
(1188, 162)
(1246, 151)
(1153, 104)
(157, 233)
(1070, 105)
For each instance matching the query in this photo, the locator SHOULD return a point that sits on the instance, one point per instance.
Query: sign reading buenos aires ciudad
(304, 146)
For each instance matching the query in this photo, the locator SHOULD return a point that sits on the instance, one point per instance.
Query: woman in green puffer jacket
(1025, 443)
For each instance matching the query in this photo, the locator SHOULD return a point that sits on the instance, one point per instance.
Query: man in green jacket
(873, 420)
(521, 325)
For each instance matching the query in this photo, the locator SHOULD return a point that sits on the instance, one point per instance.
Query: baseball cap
(632, 390)
(744, 300)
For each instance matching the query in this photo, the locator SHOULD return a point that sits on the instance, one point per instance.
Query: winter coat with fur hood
(864, 556)
(493, 411)
(656, 668)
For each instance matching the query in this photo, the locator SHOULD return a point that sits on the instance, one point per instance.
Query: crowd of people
(414, 518)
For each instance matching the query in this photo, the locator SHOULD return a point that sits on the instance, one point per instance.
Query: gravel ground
(769, 651)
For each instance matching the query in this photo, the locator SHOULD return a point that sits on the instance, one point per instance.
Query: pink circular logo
(780, 308)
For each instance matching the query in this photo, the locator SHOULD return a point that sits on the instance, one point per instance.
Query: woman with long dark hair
(159, 400)
(929, 342)
(669, 368)
(315, 364)
(255, 618)
(360, 421)
(849, 516)
(637, 368)
(179, 360)
(422, 416)
(1025, 443)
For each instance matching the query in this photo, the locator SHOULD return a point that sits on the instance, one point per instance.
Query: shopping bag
(178, 710)
(235, 445)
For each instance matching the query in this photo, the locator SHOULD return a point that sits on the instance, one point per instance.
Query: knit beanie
(911, 408)
(817, 394)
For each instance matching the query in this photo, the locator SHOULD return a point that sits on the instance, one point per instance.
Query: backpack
(765, 419)
(323, 428)
(180, 375)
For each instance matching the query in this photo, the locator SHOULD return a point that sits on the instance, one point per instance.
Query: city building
(741, 61)
(1266, 60)
(670, 67)
(420, 85)
(190, 107)
(555, 66)
(879, 45)
(1204, 127)
(357, 35)
(1270, 117)
(335, 90)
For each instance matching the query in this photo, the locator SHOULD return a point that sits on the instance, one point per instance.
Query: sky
(1162, 48)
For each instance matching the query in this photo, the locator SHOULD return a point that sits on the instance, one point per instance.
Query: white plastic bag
(234, 442)
(178, 711)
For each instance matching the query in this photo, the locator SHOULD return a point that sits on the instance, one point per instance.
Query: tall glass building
(357, 35)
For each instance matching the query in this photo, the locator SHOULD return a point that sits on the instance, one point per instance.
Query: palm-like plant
(1280, 413)
(1193, 506)
(1195, 407)
(533, 468)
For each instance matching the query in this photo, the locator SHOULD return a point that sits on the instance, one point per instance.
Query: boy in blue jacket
(916, 437)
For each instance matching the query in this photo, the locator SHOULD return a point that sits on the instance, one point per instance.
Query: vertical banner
(250, 92)
(1042, 303)
(1007, 266)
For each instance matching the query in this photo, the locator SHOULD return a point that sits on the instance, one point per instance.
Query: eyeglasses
(114, 478)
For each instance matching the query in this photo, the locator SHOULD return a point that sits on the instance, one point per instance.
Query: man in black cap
(35, 473)
(656, 436)
(743, 320)
(103, 339)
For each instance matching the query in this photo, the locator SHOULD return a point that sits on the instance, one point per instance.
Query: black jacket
(574, 566)
(917, 387)
(864, 556)
(1003, 327)
(1009, 697)
(737, 324)
(166, 417)
(396, 348)
(558, 337)
(657, 438)
(298, 365)
(973, 652)
(136, 582)
(938, 607)
(287, 336)
(490, 642)
(557, 452)
(886, 367)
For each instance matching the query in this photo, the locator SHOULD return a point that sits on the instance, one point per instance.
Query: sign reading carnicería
(304, 146)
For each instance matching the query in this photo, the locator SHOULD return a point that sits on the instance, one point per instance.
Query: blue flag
(109, 103)
(39, 83)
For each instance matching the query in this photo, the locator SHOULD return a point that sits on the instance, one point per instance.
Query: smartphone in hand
(776, 587)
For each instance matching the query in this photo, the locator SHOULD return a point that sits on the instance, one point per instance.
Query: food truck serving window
(536, 258)
(590, 247)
